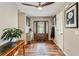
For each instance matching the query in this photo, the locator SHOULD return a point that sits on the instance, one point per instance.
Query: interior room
(39, 29)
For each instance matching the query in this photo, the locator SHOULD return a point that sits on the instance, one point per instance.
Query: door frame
(36, 25)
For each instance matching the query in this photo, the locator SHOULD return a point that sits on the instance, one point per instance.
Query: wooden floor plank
(42, 49)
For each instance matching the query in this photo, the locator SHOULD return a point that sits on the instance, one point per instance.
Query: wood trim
(47, 37)
(59, 50)
(37, 25)
(20, 45)
(45, 27)
(40, 16)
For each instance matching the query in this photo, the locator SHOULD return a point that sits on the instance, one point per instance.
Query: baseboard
(59, 49)
(50, 41)
(16, 53)
(65, 53)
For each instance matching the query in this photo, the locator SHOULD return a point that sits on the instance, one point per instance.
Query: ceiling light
(39, 8)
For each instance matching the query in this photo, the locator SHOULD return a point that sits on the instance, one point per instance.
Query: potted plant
(11, 33)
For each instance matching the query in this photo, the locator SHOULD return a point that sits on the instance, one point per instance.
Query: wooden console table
(20, 45)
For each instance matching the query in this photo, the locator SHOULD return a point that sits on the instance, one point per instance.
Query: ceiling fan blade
(47, 3)
(29, 5)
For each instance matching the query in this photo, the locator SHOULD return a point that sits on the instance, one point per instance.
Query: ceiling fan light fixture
(39, 8)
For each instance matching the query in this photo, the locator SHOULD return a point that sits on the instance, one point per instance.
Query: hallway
(58, 21)
(42, 49)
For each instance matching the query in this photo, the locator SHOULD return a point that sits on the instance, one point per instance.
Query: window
(41, 27)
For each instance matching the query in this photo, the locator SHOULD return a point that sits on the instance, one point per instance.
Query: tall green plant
(10, 33)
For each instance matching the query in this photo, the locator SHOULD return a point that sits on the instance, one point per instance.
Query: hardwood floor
(42, 49)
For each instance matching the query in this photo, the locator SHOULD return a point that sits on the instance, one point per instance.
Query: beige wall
(22, 24)
(8, 16)
(21, 21)
(42, 19)
(70, 39)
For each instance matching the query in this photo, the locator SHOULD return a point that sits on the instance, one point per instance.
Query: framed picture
(27, 21)
(71, 16)
(54, 20)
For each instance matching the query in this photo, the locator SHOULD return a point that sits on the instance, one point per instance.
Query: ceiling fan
(39, 6)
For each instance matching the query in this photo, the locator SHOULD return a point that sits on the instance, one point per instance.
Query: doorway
(40, 31)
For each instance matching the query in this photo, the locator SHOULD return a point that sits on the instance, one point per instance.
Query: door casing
(37, 36)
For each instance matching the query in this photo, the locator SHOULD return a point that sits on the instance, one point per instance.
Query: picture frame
(27, 21)
(71, 16)
(54, 20)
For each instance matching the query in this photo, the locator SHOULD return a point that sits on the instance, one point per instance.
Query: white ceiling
(49, 10)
